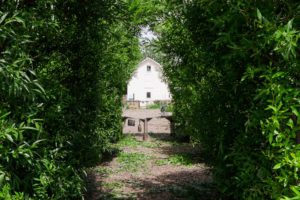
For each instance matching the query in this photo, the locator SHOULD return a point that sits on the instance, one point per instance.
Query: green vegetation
(159, 105)
(131, 142)
(153, 144)
(154, 106)
(105, 171)
(112, 185)
(128, 141)
(139, 164)
(177, 159)
(173, 143)
(63, 71)
(132, 161)
(169, 108)
(233, 71)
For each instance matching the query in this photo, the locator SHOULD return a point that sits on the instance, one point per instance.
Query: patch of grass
(153, 106)
(173, 143)
(118, 195)
(132, 161)
(181, 159)
(134, 183)
(132, 142)
(177, 159)
(117, 185)
(110, 197)
(128, 141)
(103, 170)
(162, 139)
(161, 162)
(151, 144)
(111, 185)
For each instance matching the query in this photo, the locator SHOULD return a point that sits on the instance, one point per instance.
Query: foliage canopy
(234, 70)
(63, 71)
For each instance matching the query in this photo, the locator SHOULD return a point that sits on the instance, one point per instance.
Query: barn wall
(145, 81)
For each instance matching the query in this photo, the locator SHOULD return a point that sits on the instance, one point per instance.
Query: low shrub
(154, 106)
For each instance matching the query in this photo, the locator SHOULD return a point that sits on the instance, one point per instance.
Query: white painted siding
(144, 81)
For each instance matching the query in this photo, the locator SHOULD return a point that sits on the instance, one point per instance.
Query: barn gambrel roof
(157, 66)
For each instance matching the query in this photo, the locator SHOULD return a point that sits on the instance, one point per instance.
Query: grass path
(154, 169)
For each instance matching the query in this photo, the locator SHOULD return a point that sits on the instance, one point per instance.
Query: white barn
(147, 84)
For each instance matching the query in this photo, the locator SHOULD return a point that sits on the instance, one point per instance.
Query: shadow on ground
(162, 136)
(95, 179)
(193, 184)
(196, 185)
(159, 136)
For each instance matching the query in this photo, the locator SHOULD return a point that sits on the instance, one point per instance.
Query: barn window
(148, 68)
(131, 122)
(148, 94)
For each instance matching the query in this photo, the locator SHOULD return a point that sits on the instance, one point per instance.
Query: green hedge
(63, 71)
(233, 68)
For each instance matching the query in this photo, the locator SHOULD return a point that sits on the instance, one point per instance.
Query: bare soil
(158, 177)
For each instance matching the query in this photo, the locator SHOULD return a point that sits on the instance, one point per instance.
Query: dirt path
(155, 169)
(158, 169)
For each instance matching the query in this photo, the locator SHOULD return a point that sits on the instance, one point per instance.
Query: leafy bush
(233, 69)
(63, 70)
(154, 106)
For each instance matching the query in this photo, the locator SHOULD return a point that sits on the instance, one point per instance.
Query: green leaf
(2, 176)
(37, 126)
(34, 145)
(272, 108)
(20, 20)
(29, 128)
(277, 166)
(295, 111)
(3, 116)
(9, 138)
(270, 139)
(259, 15)
(39, 86)
(278, 74)
(3, 17)
(295, 190)
(290, 25)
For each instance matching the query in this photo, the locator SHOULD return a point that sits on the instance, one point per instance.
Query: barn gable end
(147, 83)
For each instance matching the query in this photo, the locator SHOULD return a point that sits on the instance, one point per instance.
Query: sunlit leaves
(63, 71)
(233, 68)
(287, 38)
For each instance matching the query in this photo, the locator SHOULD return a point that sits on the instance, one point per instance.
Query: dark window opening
(148, 68)
(148, 94)
(131, 122)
